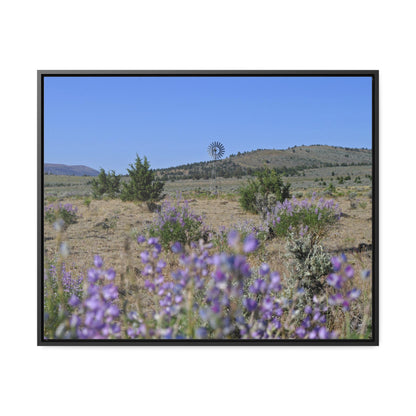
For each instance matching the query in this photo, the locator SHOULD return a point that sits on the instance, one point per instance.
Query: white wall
(217, 34)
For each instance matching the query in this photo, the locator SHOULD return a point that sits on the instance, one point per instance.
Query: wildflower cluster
(209, 296)
(70, 285)
(243, 229)
(343, 273)
(59, 286)
(302, 216)
(176, 222)
(96, 315)
(68, 213)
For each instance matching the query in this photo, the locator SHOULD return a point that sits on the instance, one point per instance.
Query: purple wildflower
(250, 244)
(177, 247)
(74, 301)
(233, 238)
(264, 269)
(98, 261)
(250, 304)
(336, 263)
(110, 274)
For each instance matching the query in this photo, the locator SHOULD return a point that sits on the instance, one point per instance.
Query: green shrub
(87, 202)
(177, 223)
(142, 186)
(330, 190)
(266, 186)
(67, 213)
(106, 184)
(363, 204)
(302, 216)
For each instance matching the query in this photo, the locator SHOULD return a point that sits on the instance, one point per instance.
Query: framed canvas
(208, 207)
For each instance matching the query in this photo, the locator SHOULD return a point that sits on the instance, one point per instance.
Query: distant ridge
(70, 170)
(289, 161)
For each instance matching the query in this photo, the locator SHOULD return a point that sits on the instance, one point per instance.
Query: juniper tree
(143, 185)
(106, 184)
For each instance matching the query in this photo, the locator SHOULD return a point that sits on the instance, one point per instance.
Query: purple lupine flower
(149, 285)
(233, 238)
(300, 332)
(250, 244)
(141, 239)
(177, 247)
(201, 333)
(153, 240)
(313, 334)
(264, 269)
(148, 269)
(93, 303)
(258, 286)
(250, 304)
(323, 333)
(110, 274)
(144, 255)
(131, 332)
(336, 263)
(74, 301)
(93, 275)
(354, 294)
(275, 282)
(160, 266)
(113, 311)
(98, 261)
(109, 292)
(336, 299)
(334, 280)
(349, 271)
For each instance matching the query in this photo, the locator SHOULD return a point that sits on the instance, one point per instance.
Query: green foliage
(87, 202)
(363, 204)
(67, 213)
(177, 223)
(142, 186)
(302, 216)
(267, 183)
(106, 184)
(330, 190)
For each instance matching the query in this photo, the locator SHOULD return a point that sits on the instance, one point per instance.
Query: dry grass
(93, 233)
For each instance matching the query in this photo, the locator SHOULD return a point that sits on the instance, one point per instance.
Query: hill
(70, 170)
(289, 162)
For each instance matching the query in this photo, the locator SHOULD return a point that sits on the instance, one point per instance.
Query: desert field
(106, 226)
(110, 228)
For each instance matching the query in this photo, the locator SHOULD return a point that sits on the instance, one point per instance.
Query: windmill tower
(216, 151)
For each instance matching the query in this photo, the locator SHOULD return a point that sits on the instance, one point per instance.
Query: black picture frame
(374, 74)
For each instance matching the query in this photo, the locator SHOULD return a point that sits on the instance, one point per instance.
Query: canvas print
(200, 207)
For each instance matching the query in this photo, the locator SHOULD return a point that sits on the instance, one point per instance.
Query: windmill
(216, 151)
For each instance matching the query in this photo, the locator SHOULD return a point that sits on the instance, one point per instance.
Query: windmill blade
(216, 150)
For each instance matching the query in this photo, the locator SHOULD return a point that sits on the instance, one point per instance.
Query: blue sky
(105, 121)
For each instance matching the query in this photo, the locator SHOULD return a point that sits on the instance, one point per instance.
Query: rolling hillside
(289, 161)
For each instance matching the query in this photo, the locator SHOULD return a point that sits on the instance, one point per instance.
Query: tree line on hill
(230, 169)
